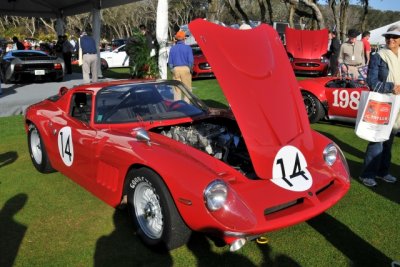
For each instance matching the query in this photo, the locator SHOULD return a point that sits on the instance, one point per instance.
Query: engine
(216, 140)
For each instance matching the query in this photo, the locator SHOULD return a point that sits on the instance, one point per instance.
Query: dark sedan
(25, 65)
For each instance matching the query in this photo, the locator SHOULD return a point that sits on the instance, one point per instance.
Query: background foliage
(119, 22)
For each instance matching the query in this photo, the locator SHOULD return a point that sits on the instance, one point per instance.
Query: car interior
(81, 106)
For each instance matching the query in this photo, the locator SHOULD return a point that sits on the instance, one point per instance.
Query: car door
(75, 138)
(343, 97)
(120, 58)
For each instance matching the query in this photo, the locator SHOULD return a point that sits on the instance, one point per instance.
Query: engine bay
(220, 139)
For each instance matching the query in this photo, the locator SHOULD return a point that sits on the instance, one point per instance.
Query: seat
(81, 110)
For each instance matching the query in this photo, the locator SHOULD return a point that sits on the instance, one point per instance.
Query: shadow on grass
(8, 158)
(387, 190)
(123, 248)
(11, 232)
(201, 249)
(357, 250)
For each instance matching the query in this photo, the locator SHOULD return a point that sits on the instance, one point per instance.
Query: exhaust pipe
(237, 244)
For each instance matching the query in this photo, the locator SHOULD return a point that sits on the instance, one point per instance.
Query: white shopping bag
(376, 115)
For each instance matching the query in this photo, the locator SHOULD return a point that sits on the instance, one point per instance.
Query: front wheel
(157, 220)
(37, 151)
(315, 110)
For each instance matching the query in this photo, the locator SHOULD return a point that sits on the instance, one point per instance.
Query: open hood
(306, 44)
(255, 75)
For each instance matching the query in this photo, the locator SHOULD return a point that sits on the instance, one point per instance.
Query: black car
(23, 65)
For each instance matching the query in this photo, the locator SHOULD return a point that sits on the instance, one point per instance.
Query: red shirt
(367, 46)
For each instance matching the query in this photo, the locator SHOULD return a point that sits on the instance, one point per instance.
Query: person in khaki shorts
(352, 54)
(180, 62)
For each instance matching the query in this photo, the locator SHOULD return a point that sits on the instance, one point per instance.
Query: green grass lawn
(48, 220)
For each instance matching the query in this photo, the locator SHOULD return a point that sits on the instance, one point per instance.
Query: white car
(114, 59)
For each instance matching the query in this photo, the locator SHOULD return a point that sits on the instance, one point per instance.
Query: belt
(356, 65)
(89, 53)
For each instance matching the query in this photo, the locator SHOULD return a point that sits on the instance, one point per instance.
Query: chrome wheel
(148, 210)
(36, 147)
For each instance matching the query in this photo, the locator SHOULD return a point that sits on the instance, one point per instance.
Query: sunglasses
(390, 36)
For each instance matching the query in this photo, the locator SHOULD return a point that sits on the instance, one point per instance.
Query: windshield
(145, 102)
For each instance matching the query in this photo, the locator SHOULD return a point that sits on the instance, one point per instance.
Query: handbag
(363, 71)
(376, 115)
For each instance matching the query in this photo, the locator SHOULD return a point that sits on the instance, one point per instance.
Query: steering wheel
(176, 104)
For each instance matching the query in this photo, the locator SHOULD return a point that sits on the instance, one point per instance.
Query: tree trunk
(232, 10)
(344, 5)
(241, 11)
(263, 19)
(364, 4)
(271, 15)
(335, 11)
(316, 12)
(212, 10)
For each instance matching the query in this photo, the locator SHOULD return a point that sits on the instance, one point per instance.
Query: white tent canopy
(376, 34)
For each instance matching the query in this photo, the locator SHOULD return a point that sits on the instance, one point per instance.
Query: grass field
(48, 220)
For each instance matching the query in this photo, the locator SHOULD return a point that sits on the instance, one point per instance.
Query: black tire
(153, 211)
(103, 64)
(314, 108)
(37, 151)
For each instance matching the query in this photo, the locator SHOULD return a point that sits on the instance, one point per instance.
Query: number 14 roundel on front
(290, 170)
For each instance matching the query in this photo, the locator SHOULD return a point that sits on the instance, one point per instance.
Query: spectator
(89, 57)
(149, 40)
(334, 50)
(67, 50)
(17, 44)
(352, 54)
(367, 47)
(59, 46)
(180, 61)
(383, 74)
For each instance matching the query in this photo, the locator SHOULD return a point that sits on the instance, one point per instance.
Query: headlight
(215, 195)
(330, 154)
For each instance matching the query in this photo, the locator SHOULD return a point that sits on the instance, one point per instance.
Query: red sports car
(201, 68)
(307, 51)
(233, 173)
(332, 98)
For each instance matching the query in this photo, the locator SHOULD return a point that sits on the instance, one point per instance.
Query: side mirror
(62, 91)
(142, 135)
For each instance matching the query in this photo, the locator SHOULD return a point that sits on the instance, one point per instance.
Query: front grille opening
(324, 188)
(283, 206)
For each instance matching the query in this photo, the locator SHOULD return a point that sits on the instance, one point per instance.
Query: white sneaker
(369, 181)
(388, 178)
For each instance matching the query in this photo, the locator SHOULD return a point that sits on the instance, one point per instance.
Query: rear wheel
(104, 64)
(153, 211)
(37, 151)
(315, 110)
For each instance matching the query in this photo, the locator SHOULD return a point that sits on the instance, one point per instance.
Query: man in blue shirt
(180, 61)
(89, 57)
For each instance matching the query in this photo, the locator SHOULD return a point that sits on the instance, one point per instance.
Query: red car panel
(183, 167)
(339, 97)
(307, 50)
(201, 67)
(255, 70)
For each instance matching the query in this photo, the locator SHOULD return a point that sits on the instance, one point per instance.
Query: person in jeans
(383, 74)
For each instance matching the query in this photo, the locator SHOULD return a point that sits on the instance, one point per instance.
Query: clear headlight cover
(215, 195)
(330, 154)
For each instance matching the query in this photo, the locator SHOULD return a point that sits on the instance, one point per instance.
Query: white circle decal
(290, 170)
(65, 146)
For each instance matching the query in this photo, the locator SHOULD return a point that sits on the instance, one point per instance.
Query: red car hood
(306, 44)
(255, 75)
